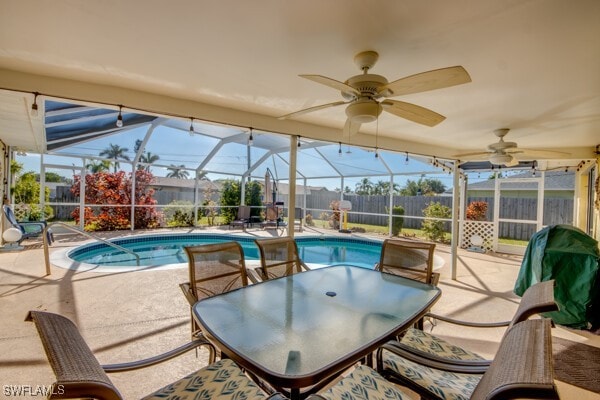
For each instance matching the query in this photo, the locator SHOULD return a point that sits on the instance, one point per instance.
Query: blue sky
(178, 147)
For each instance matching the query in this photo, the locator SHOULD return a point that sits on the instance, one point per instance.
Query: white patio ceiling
(534, 66)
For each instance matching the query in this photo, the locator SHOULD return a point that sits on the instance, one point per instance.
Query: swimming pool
(166, 250)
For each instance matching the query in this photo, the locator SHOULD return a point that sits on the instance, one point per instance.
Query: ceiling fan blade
(430, 80)
(311, 109)
(542, 153)
(351, 128)
(412, 112)
(465, 156)
(513, 162)
(332, 83)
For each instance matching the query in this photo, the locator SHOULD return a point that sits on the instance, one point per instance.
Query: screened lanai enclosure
(147, 171)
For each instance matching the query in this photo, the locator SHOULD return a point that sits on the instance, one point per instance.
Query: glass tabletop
(298, 329)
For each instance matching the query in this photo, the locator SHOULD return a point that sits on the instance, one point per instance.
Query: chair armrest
(253, 276)
(304, 266)
(147, 362)
(431, 361)
(468, 323)
(187, 292)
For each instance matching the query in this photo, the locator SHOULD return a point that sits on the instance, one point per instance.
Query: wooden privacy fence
(556, 210)
(365, 209)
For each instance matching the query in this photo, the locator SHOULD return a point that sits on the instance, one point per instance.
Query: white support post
(196, 195)
(540, 202)
(133, 184)
(455, 216)
(42, 186)
(292, 184)
(463, 207)
(82, 197)
(496, 212)
(391, 206)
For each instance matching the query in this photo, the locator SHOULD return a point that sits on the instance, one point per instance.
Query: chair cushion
(364, 383)
(443, 384)
(220, 380)
(431, 344)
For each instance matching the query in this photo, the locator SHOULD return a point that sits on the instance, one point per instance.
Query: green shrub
(397, 222)
(309, 220)
(434, 228)
(179, 213)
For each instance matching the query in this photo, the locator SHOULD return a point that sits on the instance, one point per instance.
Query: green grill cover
(568, 255)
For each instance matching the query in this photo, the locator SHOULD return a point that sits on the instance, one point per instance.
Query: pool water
(167, 249)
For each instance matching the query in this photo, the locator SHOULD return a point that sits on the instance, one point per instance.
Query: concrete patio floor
(132, 315)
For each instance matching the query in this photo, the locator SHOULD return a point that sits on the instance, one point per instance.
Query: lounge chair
(242, 219)
(522, 368)
(272, 218)
(29, 229)
(410, 259)
(213, 269)
(278, 257)
(537, 299)
(80, 375)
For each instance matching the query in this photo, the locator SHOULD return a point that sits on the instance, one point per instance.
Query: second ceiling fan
(367, 95)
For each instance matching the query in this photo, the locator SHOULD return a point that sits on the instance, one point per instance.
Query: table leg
(294, 394)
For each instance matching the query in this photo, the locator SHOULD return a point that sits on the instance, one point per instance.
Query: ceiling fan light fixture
(362, 112)
(500, 159)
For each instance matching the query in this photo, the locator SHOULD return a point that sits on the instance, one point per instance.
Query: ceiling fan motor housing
(363, 111)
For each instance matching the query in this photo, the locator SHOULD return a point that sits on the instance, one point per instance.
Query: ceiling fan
(507, 153)
(367, 95)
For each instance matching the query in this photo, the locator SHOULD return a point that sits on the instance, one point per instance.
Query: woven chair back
(278, 257)
(216, 268)
(523, 366)
(538, 298)
(407, 258)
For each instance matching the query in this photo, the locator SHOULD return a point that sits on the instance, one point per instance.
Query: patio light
(251, 138)
(191, 126)
(34, 106)
(406, 159)
(299, 144)
(120, 118)
(340, 150)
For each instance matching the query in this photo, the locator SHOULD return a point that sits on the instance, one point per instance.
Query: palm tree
(115, 152)
(98, 166)
(383, 187)
(178, 171)
(365, 186)
(201, 175)
(148, 158)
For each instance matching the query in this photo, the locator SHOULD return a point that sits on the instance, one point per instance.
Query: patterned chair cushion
(431, 344)
(220, 380)
(364, 383)
(443, 384)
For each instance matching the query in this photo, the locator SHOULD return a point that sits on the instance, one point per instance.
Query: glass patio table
(300, 331)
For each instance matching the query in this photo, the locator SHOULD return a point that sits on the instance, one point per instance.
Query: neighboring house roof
(553, 180)
(283, 188)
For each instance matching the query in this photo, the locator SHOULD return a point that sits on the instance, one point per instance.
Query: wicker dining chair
(278, 257)
(213, 269)
(522, 368)
(80, 375)
(411, 259)
(537, 299)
